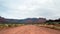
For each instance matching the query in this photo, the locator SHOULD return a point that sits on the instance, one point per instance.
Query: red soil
(29, 29)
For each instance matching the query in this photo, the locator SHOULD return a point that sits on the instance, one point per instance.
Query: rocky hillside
(27, 20)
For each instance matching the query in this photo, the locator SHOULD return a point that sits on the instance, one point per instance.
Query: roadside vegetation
(47, 25)
(5, 26)
(56, 26)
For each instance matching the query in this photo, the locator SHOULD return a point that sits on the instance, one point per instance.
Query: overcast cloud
(20, 9)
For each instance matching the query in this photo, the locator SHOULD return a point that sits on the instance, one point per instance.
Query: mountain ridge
(27, 20)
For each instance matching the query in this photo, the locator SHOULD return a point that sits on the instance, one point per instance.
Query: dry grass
(3, 26)
(57, 27)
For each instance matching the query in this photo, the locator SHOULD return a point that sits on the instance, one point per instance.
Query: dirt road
(29, 29)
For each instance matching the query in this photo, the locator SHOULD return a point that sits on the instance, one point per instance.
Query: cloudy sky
(20, 9)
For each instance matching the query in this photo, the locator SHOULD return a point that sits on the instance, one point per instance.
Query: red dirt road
(29, 29)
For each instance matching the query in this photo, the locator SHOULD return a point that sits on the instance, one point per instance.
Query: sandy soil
(29, 29)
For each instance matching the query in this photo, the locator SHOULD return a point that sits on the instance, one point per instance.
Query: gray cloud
(30, 8)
